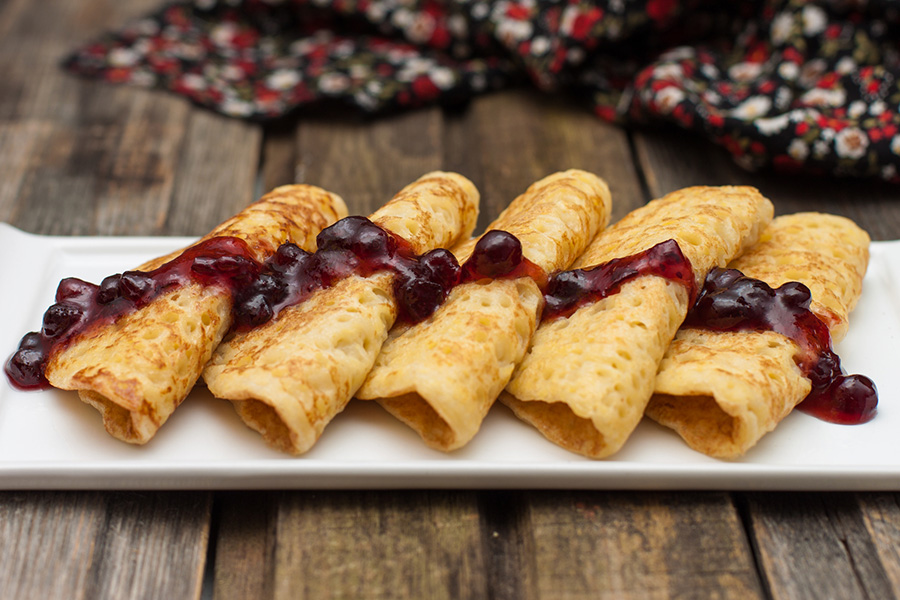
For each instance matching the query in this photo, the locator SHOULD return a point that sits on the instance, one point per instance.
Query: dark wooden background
(83, 158)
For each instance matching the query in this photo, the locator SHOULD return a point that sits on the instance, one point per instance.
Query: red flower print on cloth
(796, 85)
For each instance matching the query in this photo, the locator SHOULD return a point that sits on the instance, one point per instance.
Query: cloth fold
(798, 85)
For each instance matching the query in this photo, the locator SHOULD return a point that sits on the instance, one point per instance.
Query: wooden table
(83, 158)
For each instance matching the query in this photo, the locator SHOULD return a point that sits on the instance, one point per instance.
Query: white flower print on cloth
(851, 143)
(793, 84)
(752, 108)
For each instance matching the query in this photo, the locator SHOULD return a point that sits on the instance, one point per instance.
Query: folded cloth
(794, 84)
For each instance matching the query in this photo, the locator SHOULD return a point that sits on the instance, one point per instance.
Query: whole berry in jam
(26, 368)
(442, 267)
(286, 257)
(795, 294)
(341, 235)
(825, 370)
(135, 286)
(109, 289)
(732, 302)
(849, 400)
(59, 318)
(373, 244)
(73, 288)
(253, 311)
(418, 299)
(496, 254)
(564, 291)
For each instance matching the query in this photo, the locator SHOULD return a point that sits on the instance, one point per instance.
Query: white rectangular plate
(51, 440)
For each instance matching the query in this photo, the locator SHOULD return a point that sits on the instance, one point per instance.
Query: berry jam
(223, 261)
(353, 245)
(569, 290)
(730, 301)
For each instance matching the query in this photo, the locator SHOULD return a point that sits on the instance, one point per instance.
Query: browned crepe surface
(441, 376)
(137, 370)
(586, 379)
(723, 391)
(290, 377)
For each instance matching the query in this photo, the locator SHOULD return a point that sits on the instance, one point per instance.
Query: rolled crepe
(137, 370)
(442, 375)
(290, 377)
(586, 379)
(722, 391)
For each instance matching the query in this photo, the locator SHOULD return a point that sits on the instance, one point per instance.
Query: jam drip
(225, 262)
(353, 245)
(569, 290)
(730, 301)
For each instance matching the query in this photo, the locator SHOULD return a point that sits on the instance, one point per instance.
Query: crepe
(722, 391)
(137, 370)
(586, 379)
(290, 377)
(442, 375)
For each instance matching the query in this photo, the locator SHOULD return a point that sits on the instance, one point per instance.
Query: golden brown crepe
(442, 375)
(586, 379)
(722, 391)
(137, 370)
(290, 377)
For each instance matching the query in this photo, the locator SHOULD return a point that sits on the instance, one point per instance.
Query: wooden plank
(216, 175)
(816, 546)
(511, 564)
(881, 514)
(245, 546)
(84, 157)
(508, 140)
(673, 545)
(102, 545)
(672, 160)
(378, 545)
(367, 161)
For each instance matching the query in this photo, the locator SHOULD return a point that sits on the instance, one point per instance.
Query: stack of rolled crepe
(442, 375)
(137, 370)
(722, 391)
(290, 377)
(587, 378)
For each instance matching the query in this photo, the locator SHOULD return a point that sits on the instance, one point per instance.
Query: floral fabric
(799, 85)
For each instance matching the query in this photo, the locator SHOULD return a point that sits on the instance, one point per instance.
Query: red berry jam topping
(569, 290)
(221, 261)
(730, 301)
(356, 245)
(353, 245)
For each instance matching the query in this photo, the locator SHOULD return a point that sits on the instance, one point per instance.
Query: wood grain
(678, 545)
(816, 546)
(245, 546)
(217, 172)
(508, 140)
(881, 515)
(102, 545)
(671, 160)
(378, 545)
(85, 158)
(366, 162)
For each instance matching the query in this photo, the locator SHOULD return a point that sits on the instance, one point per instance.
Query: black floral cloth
(798, 85)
